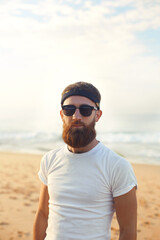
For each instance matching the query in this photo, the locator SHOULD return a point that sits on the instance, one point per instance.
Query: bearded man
(84, 182)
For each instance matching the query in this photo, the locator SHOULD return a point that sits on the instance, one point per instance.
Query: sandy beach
(19, 192)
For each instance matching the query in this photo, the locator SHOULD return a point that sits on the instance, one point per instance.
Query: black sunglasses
(85, 110)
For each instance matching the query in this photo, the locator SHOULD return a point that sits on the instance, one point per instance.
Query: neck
(84, 149)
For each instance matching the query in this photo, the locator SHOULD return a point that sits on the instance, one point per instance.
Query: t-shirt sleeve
(123, 178)
(43, 170)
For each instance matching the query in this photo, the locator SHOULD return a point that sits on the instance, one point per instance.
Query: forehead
(78, 100)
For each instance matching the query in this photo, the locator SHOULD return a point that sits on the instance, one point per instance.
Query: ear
(61, 114)
(98, 115)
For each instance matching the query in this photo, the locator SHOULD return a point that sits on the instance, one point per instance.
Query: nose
(77, 114)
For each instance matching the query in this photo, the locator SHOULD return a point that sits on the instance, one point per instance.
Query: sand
(19, 192)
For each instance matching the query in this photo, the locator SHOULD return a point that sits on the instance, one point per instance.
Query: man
(84, 182)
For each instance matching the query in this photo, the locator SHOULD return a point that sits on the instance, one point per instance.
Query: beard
(78, 137)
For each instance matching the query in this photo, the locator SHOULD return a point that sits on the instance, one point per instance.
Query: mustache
(74, 122)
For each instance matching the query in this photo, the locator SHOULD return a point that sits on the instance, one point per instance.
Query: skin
(126, 212)
(125, 205)
(41, 217)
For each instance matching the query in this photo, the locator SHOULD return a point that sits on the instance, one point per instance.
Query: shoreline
(133, 161)
(20, 187)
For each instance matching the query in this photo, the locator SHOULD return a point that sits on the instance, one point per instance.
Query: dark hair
(82, 89)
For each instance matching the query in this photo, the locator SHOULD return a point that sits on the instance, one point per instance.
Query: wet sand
(19, 192)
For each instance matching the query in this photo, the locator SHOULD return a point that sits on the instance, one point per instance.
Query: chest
(77, 181)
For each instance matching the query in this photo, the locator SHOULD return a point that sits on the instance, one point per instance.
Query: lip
(77, 125)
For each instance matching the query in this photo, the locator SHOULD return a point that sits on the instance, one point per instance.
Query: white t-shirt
(81, 188)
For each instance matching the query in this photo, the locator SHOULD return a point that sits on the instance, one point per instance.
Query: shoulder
(118, 164)
(112, 158)
(115, 164)
(47, 162)
(49, 156)
(121, 174)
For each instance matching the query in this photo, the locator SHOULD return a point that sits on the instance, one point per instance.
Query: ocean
(137, 147)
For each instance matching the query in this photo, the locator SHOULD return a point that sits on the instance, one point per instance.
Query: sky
(47, 45)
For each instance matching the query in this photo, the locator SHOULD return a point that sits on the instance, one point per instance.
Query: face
(78, 130)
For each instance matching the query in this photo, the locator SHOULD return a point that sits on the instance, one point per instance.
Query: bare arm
(126, 211)
(41, 218)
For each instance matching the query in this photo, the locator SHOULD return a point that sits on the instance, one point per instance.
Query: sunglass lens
(85, 111)
(69, 110)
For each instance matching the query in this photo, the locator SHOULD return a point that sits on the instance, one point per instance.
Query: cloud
(44, 42)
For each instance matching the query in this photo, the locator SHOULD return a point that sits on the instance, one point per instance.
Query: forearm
(40, 226)
(128, 234)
